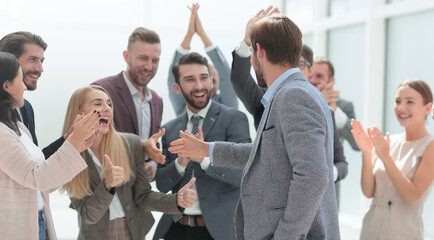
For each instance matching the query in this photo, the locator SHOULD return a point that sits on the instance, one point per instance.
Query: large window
(409, 55)
(374, 45)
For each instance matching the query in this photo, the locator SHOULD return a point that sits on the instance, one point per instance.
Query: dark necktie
(190, 165)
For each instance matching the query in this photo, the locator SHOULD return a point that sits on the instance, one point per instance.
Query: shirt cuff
(205, 163)
(340, 118)
(211, 150)
(210, 48)
(179, 168)
(183, 51)
(335, 173)
(243, 50)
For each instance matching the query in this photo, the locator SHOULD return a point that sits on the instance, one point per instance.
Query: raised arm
(176, 99)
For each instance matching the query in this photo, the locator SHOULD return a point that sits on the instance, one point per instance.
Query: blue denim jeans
(42, 219)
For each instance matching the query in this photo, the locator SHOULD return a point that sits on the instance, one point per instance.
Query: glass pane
(338, 7)
(308, 39)
(346, 51)
(409, 55)
(299, 10)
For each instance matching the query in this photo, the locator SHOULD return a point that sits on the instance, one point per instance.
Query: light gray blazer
(287, 189)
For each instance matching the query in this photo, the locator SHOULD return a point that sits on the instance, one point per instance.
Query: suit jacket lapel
(125, 95)
(210, 119)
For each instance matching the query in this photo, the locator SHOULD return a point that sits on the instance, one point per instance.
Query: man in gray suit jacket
(287, 189)
(218, 188)
(222, 91)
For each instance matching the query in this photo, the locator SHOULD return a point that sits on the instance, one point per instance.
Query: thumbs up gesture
(187, 196)
(114, 176)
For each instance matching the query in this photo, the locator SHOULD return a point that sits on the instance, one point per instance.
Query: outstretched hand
(150, 146)
(186, 196)
(190, 146)
(251, 23)
(363, 139)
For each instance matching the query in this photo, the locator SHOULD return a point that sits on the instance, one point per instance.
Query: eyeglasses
(302, 64)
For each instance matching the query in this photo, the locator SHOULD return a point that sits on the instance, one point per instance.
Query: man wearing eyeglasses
(323, 79)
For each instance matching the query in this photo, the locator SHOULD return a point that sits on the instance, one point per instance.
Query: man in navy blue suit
(29, 49)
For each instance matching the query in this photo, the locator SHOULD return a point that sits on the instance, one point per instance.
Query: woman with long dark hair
(26, 179)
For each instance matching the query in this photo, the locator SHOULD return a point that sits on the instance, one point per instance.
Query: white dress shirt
(195, 209)
(115, 208)
(143, 108)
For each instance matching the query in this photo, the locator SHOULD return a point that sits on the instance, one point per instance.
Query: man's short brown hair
(190, 58)
(280, 37)
(14, 42)
(143, 34)
(324, 60)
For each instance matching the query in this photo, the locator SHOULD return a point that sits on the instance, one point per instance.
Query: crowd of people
(214, 181)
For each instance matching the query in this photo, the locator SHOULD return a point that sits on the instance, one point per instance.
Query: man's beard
(259, 73)
(189, 99)
(31, 85)
(135, 76)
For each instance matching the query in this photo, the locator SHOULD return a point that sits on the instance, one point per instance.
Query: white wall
(86, 39)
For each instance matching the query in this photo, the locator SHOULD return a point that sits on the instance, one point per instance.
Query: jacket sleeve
(345, 132)
(143, 194)
(92, 208)
(228, 96)
(303, 127)
(60, 168)
(176, 99)
(246, 88)
(53, 147)
(237, 131)
(338, 152)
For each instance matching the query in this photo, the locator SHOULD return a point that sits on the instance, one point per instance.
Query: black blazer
(28, 118)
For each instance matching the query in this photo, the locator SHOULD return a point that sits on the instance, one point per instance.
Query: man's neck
(272, 72)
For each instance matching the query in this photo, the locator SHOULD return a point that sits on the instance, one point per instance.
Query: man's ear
(125, 54)
(260, 52)
(310, 72)
(177, 88)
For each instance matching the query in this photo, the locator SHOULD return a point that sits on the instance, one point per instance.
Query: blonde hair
(112, 144)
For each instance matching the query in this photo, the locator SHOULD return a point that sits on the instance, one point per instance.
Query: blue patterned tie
(195, 119)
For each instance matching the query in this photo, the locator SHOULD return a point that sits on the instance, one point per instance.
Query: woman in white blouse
(26, 179)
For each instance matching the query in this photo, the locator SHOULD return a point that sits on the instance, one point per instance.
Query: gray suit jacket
(251, 94)
(218, 188)
(136, 197)
(345, 133)
(287, 189)
(226, 96)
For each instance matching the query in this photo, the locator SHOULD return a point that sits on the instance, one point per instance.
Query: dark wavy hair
(9, 66)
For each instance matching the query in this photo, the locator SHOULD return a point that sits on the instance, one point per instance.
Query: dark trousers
(183, 232)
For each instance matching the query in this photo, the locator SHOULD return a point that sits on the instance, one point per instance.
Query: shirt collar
(272, 89)
(201, 113)
(134, 91)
